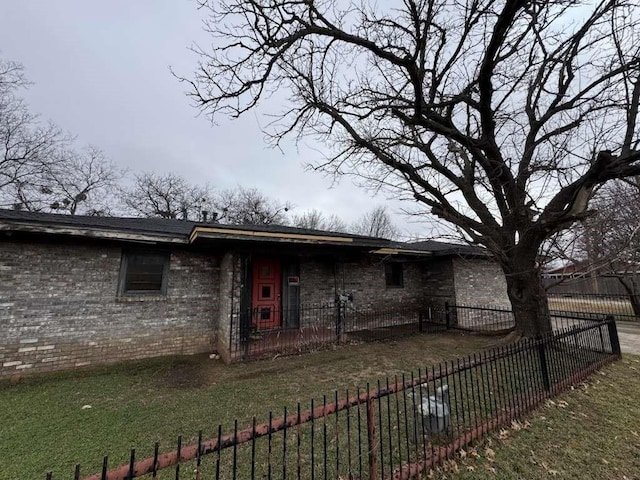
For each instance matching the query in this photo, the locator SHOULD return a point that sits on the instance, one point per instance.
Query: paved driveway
(629, 334)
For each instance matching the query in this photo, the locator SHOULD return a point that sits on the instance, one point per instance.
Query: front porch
(282, 299)
(286, 300)
(323, 326)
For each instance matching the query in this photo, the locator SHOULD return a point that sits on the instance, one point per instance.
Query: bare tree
(610, 239)
(11, 76)
(26, 146)
(249, 206)
(316, 220)
(498, 117)
(70, 182)
(167, 196)
(376, 223)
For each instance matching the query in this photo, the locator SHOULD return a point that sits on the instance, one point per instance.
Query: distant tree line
(42, 170)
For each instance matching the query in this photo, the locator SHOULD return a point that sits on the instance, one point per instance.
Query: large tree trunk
(527, 295)
(632, 286)
(635, 304)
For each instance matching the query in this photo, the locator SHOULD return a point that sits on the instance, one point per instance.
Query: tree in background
(610, 239)
(249, 206)
(71, 182)
(376, 223)
(167, 196)
(172, 196)
(316, 220)
(39, 169)
(501, 118)
(26, 146)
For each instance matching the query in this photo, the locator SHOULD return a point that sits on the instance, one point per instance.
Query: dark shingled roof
(183, 228)
(443, 247)
(435, 248)
(155, 225)
(141, 225)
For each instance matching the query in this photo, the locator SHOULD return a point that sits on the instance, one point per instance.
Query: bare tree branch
(249, 206)
(167, 196)
(376, 223)
(39, 169)
(502, 118)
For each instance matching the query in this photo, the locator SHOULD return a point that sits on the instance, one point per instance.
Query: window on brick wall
(393, 275)
(144, 273)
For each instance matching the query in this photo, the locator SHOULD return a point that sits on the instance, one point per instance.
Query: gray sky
(101, 71)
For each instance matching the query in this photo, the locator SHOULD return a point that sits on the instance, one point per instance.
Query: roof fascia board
(428, 253)
(227, 233)
(91, 232)
(401, 251)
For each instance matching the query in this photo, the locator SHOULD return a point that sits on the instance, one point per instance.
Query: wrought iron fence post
(338, 320)
(544, 367)
(447, 315)
(372, 443)
(245, 331)
(420, 321)
(602, 344)
(480, 393)
(613, 335)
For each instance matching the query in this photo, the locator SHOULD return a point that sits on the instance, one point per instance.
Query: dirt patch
(183, 375)
(351, 363)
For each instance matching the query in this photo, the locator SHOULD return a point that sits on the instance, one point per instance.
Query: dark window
(144, 273)
(393, 274)
(266, 292)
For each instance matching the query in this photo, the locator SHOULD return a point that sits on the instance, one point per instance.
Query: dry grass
(44, 426)
(591, 432)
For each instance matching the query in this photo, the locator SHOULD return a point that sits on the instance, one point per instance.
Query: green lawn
(591, 432)
(44, 427)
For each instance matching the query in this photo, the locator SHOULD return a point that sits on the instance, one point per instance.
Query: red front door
(267, 284)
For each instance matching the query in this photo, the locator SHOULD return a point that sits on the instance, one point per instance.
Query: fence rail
(394, 429)
(622, 306)
(310, 327)
(315, 326)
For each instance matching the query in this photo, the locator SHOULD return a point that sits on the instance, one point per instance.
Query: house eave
(249, 235)
(401, 251)
(95, 233)
(428, 253)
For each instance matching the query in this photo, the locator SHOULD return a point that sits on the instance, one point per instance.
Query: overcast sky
(101, 71)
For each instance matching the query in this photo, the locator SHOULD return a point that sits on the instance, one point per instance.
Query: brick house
(78, 291)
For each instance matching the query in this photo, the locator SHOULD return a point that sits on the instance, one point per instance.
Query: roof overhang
(130, 230)
(91, 232)
(401, 251)
(409, 252)
(213, 233)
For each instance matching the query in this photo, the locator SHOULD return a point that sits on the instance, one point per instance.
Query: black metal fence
(395, 429)
(311, 327)
(488, 320)
(624, 307)
(253, 336)
(316, 326)
(498, 321)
